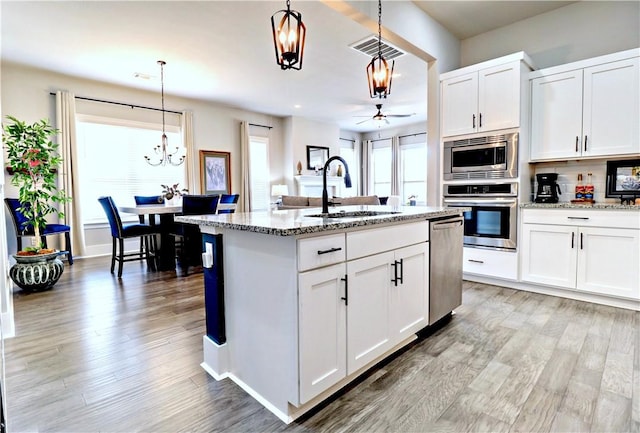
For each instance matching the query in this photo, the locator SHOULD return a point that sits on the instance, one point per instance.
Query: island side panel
(262, 313)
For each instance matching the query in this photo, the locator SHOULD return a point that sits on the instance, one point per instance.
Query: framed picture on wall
(215, 172)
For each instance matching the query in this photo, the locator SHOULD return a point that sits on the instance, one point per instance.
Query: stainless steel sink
(352, 214)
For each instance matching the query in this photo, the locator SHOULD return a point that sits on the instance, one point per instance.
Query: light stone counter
(297, 221)
(568, 205)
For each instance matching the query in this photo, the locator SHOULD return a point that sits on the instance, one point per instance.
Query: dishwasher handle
(446, 225)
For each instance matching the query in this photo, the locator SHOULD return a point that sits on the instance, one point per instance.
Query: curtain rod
(412, 135)
(261, 126)
(120, 103)
(348, 139)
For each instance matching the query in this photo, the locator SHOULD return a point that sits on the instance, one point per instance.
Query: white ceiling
(222, 51)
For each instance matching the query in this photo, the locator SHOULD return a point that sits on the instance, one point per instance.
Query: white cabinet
(322, 329)
(576, 250)
(354, 312)
(388, 301)
(483, 99)
(586, 112)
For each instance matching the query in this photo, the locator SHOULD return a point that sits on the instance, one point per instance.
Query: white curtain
(367, 146)
(395, 165)
(68, 178)
(245, 181)
(191, 163)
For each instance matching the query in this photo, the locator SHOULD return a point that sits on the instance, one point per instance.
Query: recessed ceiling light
(297, 106)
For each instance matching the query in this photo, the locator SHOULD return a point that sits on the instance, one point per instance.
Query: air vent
(369, 47)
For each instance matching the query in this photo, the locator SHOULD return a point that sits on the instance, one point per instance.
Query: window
(381, 168)
(112, 163)
(409, 175)
(413, 171)
(259, 173)
(349, 154)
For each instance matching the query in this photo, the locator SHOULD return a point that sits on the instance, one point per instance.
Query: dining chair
(188, 236)
(120, 232)
(151, 220)
(228, 203)
(20, 223)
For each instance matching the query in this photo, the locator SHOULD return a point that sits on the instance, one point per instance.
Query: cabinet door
(409, 293)
(460, 105)
(499, 97)
(612, 109)
(608, 262)
(368, 321)
(549, 254)
(556, 116)
(322, 330)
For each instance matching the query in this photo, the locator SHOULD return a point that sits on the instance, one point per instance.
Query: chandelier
(378, 74)
(162, 149)
(288, 38)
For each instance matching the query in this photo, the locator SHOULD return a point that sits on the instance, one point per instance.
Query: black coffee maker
(548, 189)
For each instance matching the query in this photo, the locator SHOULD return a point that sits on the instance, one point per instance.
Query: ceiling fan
(379, 117)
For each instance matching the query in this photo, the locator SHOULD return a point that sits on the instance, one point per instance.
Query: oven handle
(467, 202)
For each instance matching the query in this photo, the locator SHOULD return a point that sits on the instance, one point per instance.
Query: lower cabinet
(574, 255)
(354, 312)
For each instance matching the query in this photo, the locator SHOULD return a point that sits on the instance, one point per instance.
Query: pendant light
(378, 74)
(161, 149)
(288, 38)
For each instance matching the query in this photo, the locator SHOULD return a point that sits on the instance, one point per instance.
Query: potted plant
(32, 162)
(171, 192)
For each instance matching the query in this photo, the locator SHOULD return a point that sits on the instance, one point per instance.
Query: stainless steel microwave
(490, 157)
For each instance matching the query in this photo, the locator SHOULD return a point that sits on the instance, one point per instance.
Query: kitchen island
(299, 305)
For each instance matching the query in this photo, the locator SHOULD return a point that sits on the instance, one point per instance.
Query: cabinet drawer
(367, 242)
(584, 218)
(490, 263)
(320, 251)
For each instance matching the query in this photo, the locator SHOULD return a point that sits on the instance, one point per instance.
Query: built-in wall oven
(493, 219)
(488, 157)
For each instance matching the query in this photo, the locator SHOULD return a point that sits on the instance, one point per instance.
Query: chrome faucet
(347, 181)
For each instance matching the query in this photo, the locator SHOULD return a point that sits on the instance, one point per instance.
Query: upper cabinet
(586, 109)
(483, 97)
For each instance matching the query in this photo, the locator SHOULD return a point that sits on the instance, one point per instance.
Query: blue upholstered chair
(188, 236)
(24, 229)
(148, 199)
(121, 232)
(228, 203)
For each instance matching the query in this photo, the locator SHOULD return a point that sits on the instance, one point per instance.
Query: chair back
(148, 199)
(199, 204)
(20, 222)
(228, 203)
(112, 215)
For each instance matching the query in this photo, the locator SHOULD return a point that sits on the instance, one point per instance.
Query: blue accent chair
(148, 199)
(228, 202)
(189, 237)
(24, 229)
(119, 233)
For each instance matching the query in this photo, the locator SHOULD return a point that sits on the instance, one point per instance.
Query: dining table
(166, 212)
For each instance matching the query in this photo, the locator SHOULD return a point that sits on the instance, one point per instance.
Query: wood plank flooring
(99, 354)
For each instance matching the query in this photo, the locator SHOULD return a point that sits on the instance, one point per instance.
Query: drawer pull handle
(330, 250)
(346, 290)
(578, 218)
(475, 261)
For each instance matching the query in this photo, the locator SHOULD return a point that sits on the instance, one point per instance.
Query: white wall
(575, 32)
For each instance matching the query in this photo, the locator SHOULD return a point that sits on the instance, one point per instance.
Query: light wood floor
(97, 354)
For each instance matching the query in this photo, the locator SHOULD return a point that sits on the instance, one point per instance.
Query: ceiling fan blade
(401, 115)
(362, 121)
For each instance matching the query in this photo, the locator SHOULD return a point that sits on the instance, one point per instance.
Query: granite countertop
(568, 205)
(295, 221)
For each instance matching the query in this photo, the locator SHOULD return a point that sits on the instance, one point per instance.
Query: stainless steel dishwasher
(445, 273)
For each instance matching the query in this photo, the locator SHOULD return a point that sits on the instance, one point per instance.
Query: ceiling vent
(369, 47)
